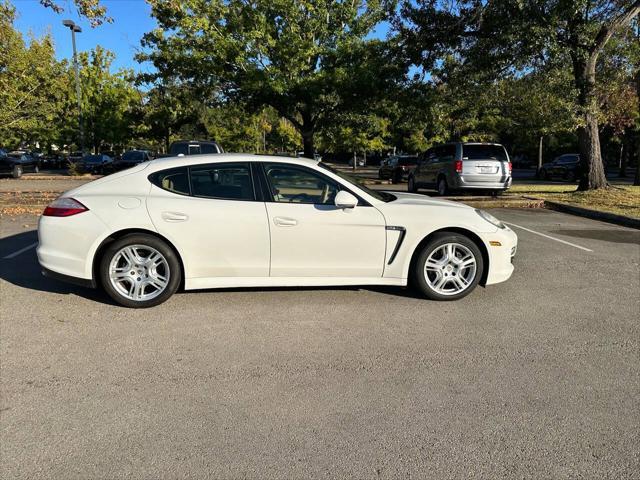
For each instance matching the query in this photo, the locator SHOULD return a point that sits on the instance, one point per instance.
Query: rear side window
(175, 180)
(230, 181)
(208, 148)
(484, 152)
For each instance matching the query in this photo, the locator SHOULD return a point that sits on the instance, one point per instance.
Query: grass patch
(621, 200)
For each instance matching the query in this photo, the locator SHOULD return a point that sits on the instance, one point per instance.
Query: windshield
(383, 196)
(93, 158)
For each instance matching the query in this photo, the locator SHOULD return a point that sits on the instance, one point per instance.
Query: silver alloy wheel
(139, 272)
(450, 269)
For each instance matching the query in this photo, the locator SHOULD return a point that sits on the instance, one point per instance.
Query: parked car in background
(52, 161)
(359, 162)
(397, 167)
(17, 162)
(193, 147)
(221, 221)
(99, 163)
(566, 167)
(132, 158)
(73, 157)
(463, 166)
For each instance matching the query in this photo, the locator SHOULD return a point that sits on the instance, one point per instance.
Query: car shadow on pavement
(23, 270)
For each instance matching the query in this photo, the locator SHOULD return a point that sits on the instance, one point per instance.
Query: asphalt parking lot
(533, 378)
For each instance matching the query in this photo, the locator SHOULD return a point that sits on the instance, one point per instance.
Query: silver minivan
(462, 166)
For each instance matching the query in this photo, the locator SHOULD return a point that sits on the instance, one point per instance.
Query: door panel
(325, 241)
(311, 237)
(217, 237)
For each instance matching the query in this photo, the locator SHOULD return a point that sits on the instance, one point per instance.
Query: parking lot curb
(592, 214)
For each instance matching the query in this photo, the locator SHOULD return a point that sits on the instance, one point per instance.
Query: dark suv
(193, 147)
(566, 167)
(462, 166)
(397, 167)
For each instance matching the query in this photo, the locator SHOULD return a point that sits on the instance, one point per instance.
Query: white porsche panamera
(231, 220)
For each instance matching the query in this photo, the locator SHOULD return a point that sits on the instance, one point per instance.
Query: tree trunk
(636, 178)
(355, 160)
(624, 155)
(593, 175)
(307, 142)
(539, 157)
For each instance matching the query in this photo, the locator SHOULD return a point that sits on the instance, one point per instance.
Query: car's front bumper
(502, 247)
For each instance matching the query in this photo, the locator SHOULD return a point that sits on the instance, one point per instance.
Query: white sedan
(220, 221)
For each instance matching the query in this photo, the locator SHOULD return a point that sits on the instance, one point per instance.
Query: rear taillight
(458, 166)
(64, 207)
(510, 167)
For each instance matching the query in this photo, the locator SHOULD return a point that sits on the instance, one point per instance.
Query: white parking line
(549, 237)
(22, 250)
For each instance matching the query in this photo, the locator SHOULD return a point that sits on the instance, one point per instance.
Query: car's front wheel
(411, 185)
(448, 267)
(140, 271)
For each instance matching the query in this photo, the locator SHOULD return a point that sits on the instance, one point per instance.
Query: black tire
(396, 177)
(411, 185)
(418, 278)
(443, 188)
(175, 273)
(17, 171)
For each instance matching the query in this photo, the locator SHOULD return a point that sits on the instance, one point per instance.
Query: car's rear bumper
(82, 282)
(462, 183)
(66, 244)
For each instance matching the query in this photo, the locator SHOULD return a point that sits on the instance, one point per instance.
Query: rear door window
(224, 181)
(484, 152)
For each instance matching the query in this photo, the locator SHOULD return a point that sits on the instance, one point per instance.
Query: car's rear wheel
(443, 188)
(449, 267)
(140, 271)
(17, 171)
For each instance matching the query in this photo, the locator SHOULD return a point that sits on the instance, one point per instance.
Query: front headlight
(490, 218)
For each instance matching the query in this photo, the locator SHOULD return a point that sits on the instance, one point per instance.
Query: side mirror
(345, 200)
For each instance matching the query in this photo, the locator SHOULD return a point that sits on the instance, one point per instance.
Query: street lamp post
(76, 29)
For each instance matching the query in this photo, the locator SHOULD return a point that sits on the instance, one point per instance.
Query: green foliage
(93, 10)
(31, 88)
(305, 59)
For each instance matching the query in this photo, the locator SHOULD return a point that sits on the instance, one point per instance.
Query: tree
(32, 85)
(109, 100)
(510, 38)
(95, 12)
(305, 59)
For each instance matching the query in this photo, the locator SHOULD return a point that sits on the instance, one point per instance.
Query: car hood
(418, 199)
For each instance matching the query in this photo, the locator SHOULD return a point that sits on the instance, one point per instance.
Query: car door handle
(174, 216)
(285, 221)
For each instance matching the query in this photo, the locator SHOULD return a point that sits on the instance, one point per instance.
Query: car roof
(187, 160)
